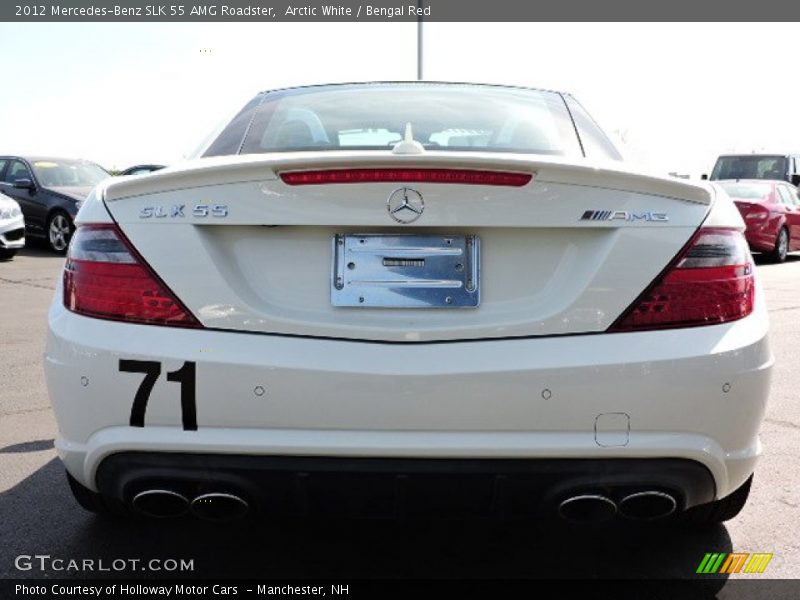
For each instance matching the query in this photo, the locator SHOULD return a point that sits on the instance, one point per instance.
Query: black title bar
(396, 11)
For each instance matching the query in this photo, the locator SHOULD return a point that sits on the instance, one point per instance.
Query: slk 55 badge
(177, 210)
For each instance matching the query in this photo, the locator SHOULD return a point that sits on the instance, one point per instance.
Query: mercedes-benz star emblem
(405, 205)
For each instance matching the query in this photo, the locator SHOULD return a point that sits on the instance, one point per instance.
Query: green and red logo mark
(735, 562)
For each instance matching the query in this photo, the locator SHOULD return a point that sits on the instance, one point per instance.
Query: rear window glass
(443, 117)
(747, 191)
(788, 195)
(595, 143)
(750, 167)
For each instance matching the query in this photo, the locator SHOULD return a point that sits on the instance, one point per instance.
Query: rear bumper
(696, 394)
(402, 487)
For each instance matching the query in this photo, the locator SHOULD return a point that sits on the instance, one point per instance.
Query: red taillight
(752, 212)
(710, 282)
(396, 175)
(105, 277)
(756, 213)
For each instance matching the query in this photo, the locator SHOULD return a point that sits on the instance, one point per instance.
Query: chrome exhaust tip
(588, 508)
(160, 504)
(219, 506)
(648, 506)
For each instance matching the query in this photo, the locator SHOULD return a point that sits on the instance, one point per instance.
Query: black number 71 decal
(152, 370)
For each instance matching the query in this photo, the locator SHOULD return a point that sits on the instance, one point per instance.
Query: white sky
(119, 94)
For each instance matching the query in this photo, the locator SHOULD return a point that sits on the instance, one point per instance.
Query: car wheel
(94, 502)
(6, 254)
(714, 513)
(781, 246)
(59, 231)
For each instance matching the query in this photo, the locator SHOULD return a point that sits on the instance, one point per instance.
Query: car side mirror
(704, 176)
(24, 184)
(796, 179)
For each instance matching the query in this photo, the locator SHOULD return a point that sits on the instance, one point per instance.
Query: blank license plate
(406, 271)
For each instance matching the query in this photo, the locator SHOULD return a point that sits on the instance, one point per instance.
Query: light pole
(419, 40)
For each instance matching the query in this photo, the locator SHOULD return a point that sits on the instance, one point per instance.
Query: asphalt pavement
(39, 517)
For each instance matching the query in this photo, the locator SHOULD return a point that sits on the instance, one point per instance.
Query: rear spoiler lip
(266, 167)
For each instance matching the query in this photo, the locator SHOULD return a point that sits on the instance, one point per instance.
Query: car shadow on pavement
(34, 446)
(36, 248)
(39, 516)
(762, 260)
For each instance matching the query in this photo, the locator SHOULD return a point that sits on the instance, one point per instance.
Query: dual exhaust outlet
(215, 506)
(586, 508)
(593, 508)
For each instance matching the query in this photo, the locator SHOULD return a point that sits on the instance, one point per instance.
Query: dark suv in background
(49, 192)
(777, 167)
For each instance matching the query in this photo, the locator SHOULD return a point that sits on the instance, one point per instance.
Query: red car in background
(771, 211)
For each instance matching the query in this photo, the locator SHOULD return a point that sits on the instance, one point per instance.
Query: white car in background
(12, 228)
(396, 299)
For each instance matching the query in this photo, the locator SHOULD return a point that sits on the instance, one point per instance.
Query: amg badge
(623, 215)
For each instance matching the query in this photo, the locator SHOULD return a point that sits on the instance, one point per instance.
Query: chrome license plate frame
(377, 270)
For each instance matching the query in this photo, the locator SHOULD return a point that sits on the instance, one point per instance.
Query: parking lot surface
(39, 516)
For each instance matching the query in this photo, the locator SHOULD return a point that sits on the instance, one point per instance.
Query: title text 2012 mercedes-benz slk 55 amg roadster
(397, 299)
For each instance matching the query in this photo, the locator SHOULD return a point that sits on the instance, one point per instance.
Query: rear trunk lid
(565, 253)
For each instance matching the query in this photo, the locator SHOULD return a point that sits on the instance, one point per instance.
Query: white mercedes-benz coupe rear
(402, 299)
